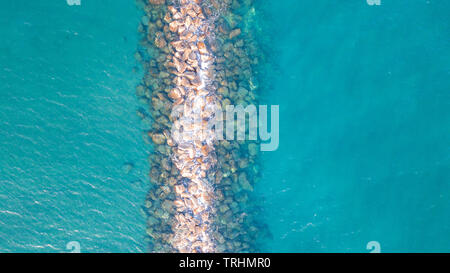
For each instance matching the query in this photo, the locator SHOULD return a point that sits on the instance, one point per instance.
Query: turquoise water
(67, 125)
(364, 126)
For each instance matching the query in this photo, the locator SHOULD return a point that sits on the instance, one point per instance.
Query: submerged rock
(244, 182)
(253, 149)
(235, 32)
(127, 167)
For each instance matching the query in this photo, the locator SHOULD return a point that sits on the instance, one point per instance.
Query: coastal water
(67, 125)
(364, 144)
(364, 125)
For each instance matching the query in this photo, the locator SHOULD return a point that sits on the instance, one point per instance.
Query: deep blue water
(364, 126)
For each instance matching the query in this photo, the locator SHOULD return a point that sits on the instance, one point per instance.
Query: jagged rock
(235, 32)
(157, 2)
(158, 138)
(160, 42)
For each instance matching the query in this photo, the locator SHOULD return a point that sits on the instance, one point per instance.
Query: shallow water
(363, 155)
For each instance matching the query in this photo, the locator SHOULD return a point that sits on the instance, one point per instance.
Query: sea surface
(68, 125)
(364, 126)
(364, 155)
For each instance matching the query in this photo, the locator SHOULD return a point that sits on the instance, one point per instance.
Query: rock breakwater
(198, 53)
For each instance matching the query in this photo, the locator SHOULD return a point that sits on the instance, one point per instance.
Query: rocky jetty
(197, 53)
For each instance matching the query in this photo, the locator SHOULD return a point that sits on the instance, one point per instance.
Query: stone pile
(195, 54)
